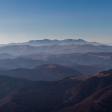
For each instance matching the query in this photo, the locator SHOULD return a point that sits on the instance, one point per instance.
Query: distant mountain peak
(81, 40)
(58, 42)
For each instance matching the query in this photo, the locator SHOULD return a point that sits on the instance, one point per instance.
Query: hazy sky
(22, 20)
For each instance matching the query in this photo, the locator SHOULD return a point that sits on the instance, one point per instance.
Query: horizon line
(25, 41)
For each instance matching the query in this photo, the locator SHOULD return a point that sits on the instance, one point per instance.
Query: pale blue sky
(22, 20)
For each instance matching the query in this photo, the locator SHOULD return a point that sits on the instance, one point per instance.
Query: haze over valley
(55, 76)
(77, 54)
(55, 56)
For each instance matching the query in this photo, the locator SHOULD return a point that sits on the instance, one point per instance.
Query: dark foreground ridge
(68, 95)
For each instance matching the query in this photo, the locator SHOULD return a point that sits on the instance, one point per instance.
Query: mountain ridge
(45, 72)
(55, 42)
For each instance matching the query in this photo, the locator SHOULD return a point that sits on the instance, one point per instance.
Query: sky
(23, 20)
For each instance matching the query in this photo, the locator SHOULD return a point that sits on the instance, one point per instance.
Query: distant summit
(50, 42)
(60, 42)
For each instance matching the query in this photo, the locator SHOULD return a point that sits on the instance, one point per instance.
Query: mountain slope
(69, 95)
(9, 85)
(93, 95)
(39, 96)
(100, 101)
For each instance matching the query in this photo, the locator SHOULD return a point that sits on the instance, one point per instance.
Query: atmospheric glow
(23, 20)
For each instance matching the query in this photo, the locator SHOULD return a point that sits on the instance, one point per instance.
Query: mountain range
(56, 76)
(78, 53)
(46, 42)
(86, 63)
(53, 47)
